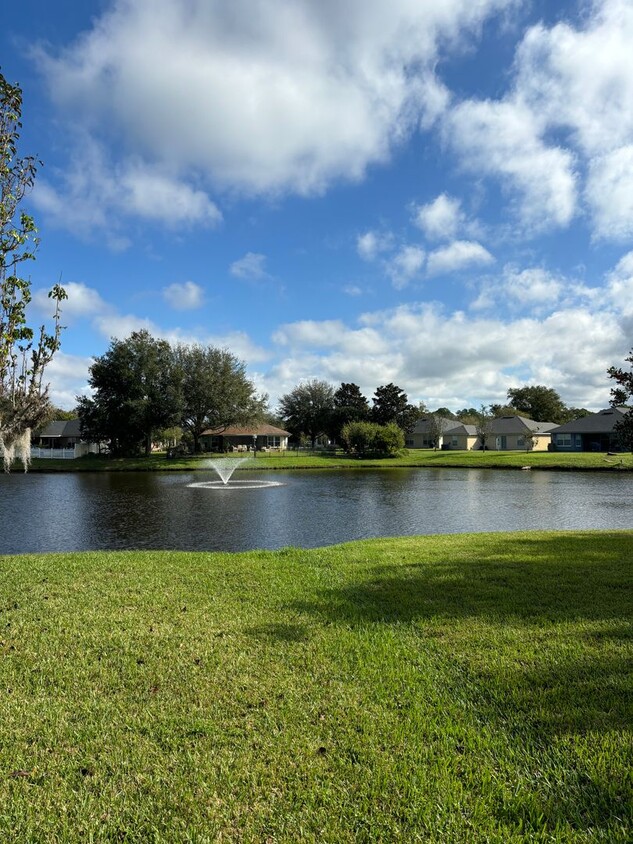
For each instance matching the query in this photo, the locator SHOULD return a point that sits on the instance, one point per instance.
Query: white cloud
(352, 290)
(457, 256)
(68, 377)
(503, 139)
(370, 244)
(567, 119)
(93, 196)
(532, 286)
(439, 219)
(82, 301)
(183, 297)
(114, 326)
(610, 194)
(252, 267)
(331, 334)
(582, 79)
(251, 107)
(405, 265)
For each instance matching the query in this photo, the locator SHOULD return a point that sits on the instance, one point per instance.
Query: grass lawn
(339, 460)
(466, 688)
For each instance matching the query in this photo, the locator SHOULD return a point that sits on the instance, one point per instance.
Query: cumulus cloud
(457, 256)
(456, 359)
(68, 376)
(82, 301)
(503, 139)
(251, 267)
(183, 297)
(372, 243)
(250, 106)
(95, 195)
(439, 219)
(405, 265)
(573, 84)
(610, 194)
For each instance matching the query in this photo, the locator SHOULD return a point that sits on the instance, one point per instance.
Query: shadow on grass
(535, 578)
(530, 657)
(532, 640)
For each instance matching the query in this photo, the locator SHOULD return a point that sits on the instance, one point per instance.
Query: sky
(438, 195)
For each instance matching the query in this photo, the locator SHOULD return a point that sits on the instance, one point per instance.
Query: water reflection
(60, 512)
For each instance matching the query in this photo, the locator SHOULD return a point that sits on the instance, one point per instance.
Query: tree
(358, 436)
(215, 391)
(24, 352)
(307, 410)
(435, 428)
(499, 410)
(391, 404)
(350, 405)
(136, 394)
(363, 437)
(389, 438)
(542, 404)
(483, 426)
(620, 397)
(468, 415)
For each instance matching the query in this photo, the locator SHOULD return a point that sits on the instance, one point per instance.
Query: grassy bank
(444, 689)
(339, 460)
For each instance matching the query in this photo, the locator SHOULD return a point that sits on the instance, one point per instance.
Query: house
(245, 438)
(506, 433)
(62, 433)
(441, 432)
(62, 438)
(594, 432)
(516, 433)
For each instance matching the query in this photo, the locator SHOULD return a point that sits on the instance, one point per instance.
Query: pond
(101, 510)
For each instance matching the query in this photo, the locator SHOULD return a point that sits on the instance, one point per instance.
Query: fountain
(224, 468)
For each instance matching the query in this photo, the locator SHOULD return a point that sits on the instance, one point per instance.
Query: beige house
(245, 438)
(506, 433)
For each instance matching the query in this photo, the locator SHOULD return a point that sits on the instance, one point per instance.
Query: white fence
(65, 453)
(57, 453)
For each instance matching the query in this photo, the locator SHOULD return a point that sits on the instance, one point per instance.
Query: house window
(563, 440)
(409, 443)
(454, 442)
(520, 442)
(273, 442)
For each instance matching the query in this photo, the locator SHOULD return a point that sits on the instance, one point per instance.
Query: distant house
(506, 433)
(452, 434)
(594, 432)
(62, 438)
(516, 433)
(245, 438)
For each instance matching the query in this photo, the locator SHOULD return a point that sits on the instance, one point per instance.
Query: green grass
(339, 460)
(434, 689)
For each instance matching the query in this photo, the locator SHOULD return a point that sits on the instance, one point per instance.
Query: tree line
(143, 386)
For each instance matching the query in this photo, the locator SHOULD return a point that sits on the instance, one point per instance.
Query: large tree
(542, 404)
(136, 393)
(24, 352)
(215, 391)
(391, 404)
(621, 396)
(307, 409)
(350, 405)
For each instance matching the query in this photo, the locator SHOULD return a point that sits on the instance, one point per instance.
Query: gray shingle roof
(62, 428)
(519, 425)
(602, 422)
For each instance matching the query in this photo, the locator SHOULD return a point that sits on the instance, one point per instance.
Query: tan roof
(246, 431)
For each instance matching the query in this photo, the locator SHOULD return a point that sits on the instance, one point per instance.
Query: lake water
(90, 511)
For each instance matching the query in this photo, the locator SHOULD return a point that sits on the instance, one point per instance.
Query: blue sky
(438, 195)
